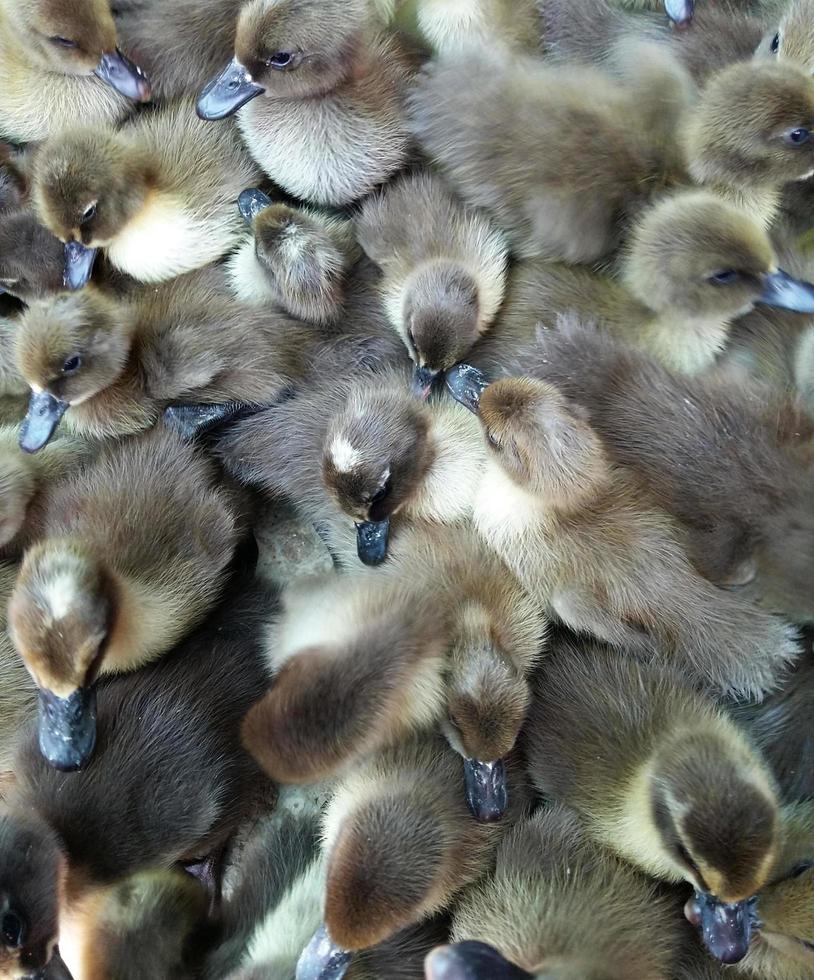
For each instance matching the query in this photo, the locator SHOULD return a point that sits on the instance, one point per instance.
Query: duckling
(110, 365)
(663, 778)
(59, 66)
(444, 269)
(13, 388)
(297, 258)
(587, 540)
(168, 736)
(793, 39)
(400, 844)
(157, 194)
(453, 25)
(693, 264)
(745, 504)
(18, 695)
(330, 125)
(558, 906)
(120, 572)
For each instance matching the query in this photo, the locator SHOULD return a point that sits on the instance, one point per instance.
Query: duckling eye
(12, 928)
(798, 136)
(63, 42)
(376, 509)
(800, 869)
(72, 365)
(723, 277)
(492, 441)
(89, 213)
(775, 43)
(280, 59)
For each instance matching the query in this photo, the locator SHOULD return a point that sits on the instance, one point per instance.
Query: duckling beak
(252, 202)
(466, 384)
(123, 75)
(680, 12)
(726, 930)
(196, 421)
(784, 291)
(470, 961)
(486, 789)
(423, 380)
(79, 261)
(224, 95)
(322, 959)
(55, 970)
(67, 728)
(371, 541)
(41, 420)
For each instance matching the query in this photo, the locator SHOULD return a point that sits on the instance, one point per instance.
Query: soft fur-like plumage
(452, 25)
(17, 691)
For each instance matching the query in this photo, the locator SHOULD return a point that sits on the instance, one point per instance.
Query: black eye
(377, 510)
(798, 136)
(800, 869)
(89, 213)
(775, 43)
(13, 930)
(724, 276)
(72, 365)
(280, 59)
(63, 42)
(491, 440)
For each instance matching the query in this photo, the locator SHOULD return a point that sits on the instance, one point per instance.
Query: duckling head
(699, 256)
(286, 49)
(61, 613)
(32, 260)
(794, 39)
(87, 185)
(376, 455)
(31, 873)
(69, 348)
(77, 39)
(754, 126)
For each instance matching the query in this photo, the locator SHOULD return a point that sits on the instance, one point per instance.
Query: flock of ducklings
(510, 300)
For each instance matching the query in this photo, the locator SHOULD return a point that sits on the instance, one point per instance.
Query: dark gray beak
(470, 961)
(322, 959)
(466, 384)
(55, 970)
(195, 421)
(41, 420)
(371, 541)
(726, 930)
(423, 380)
(79, 261)
(126, 77)
(251, 203)
(67, 728)
(233, 88)
(784, 291)
(486, 789)
(680, 12)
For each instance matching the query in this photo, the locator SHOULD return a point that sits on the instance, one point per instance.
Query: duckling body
(328, 127)
(17, 690)
(444, 267)
(119, 574)
(450, 25)
(158, 194)
(559, 906)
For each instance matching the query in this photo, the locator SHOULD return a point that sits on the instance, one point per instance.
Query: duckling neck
(685, 343)
(760, 203)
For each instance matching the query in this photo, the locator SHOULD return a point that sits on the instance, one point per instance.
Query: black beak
(470, 961)
(127, 78)
(423, 380)
(251, 202)
(486, 790)
(322, 959)
(196, 421)
(67, 728)
(466, 384)
(784, 291)
(371, 541)
(41, 420)
(79, 261)
(224, 95)
(726, 930)
(54, 970)
(680, 12)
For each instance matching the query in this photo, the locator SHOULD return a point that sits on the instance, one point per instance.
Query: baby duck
(157, 194)
(120, 572)
(168, 734)
(450, 26)
(18, 695)
(557, 906)
(110, 365)
(662, 777)
(296, 258)
(444, 268)
(794, 38)
(586, 540)
(329, 126)
(60, 67)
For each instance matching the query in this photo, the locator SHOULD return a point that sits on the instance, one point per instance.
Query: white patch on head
(344, 456)
(60, 595)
